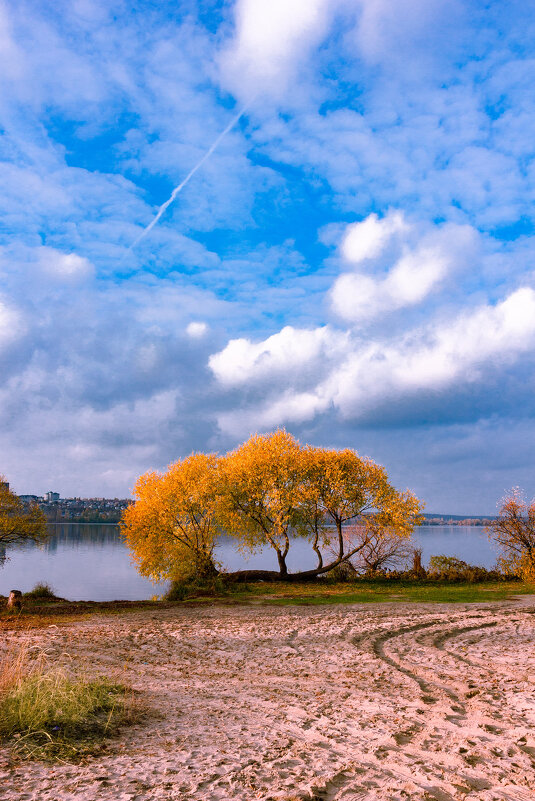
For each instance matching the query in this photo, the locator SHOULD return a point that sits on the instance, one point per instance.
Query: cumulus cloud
(368, 239)
(422, 259)
(274, 39)
(284, 353)
(434, 358)
(362, 375)
(271, 37)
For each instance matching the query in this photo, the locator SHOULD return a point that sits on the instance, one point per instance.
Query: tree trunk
(272, 575)
(205, 567)
(15, 600)
(417, 567)
(283, 570)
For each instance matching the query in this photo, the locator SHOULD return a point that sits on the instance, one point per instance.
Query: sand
(386, 702)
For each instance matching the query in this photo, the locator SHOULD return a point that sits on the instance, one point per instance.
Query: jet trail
(190, 175)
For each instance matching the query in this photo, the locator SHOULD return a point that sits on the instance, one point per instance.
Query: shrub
(41, 591)
(449, 568)
(343, 572)
(195, 587)
(177, 591)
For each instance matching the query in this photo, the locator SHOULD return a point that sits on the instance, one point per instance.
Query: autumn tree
(171, 528)
(349, 505)
(264, 493)
(514, 532)
(260, 493)
(273, 489)
(19, 522)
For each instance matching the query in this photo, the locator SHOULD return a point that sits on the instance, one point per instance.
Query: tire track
(426, 686)
(440, 639)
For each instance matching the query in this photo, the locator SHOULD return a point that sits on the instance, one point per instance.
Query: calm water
(90, 562)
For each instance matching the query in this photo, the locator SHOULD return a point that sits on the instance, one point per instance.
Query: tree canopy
(341, 489)
(171, 528)
(260, 492)
(18, 521)
(266, 492)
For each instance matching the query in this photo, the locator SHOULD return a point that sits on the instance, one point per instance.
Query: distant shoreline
(471, 523)
(80, 523)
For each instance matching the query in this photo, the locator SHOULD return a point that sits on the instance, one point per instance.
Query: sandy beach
(381, 702)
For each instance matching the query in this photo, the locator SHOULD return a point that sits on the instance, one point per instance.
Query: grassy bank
(44, 611)
(377, 591)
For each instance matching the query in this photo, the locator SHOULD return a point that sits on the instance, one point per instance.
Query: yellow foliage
(272, 486)
(171, 528)
(19, 523)
(340, 487)
(260, 491)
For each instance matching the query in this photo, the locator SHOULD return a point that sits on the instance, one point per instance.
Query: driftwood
(15, 600)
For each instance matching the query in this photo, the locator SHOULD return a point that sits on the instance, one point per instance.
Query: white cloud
(367, 374)
(368, 239)
(11, 59)
(11, 323)
(64, 266)
(407, 30)
(271, 37)
(196, 330)
(274, 38)
(422, 260)
(486, 334)
(435, 358)
(286, 352)
(290, 407)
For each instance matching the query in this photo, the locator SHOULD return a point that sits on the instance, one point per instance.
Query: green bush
(344, 572)
(195, 587)
(449, 568)
(177, 591)
(41, 591)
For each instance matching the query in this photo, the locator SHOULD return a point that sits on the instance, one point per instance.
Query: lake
(90, 562)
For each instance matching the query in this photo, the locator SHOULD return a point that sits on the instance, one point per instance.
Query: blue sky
(354, 261)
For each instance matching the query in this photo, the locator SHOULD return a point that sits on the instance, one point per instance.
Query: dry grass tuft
(47, 712)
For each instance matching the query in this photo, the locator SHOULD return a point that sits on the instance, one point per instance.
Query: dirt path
(378, 702)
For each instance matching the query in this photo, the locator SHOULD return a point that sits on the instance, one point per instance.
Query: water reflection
(75, 534)
(91, 562)
(86, 562)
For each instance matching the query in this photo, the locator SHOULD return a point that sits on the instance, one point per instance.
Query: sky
(348, 250)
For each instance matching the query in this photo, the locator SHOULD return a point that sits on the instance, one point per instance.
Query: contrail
(190, 175)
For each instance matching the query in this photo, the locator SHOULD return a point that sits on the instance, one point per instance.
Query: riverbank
(375, 701)
(44, 611)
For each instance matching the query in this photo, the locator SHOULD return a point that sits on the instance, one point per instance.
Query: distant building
(51, 497)
(29, 498)
(4, 485)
